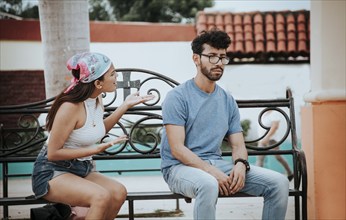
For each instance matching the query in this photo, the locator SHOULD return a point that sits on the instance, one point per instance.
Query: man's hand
(237, 178)
(222, 179)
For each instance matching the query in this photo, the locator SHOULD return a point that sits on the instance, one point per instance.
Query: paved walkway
(227, 208)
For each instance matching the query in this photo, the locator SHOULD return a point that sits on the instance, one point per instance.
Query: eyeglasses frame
(220, 58)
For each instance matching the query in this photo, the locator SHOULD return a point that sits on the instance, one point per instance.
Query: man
(197, 115)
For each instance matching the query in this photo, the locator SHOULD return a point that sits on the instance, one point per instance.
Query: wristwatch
(245, 162)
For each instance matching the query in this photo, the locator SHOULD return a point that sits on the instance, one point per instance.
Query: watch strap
(245, 162)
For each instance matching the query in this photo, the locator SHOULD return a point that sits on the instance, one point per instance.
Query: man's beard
(209, 75)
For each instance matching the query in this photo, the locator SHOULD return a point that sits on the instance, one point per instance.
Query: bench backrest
(23, 135)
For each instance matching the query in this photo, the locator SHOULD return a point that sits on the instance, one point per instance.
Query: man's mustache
(217, 68)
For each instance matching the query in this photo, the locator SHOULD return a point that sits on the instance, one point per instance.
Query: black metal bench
(22, 136)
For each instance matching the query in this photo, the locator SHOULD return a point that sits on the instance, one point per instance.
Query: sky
(259, 5)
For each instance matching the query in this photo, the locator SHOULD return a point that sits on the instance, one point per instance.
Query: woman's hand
(102, 147)
(135, 99)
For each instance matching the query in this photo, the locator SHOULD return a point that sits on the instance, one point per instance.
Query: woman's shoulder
(69, 107)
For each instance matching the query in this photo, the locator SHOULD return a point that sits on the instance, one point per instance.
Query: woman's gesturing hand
(102, 147)
(135, 98)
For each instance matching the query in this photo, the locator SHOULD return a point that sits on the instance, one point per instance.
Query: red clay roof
(262, 37)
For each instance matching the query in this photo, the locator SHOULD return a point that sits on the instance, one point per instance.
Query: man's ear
(196, 59)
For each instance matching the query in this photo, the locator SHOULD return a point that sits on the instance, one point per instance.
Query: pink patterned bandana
(91, 66)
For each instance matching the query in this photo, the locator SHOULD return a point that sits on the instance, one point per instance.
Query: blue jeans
(195, 183)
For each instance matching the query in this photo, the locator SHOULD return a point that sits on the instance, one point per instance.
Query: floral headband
(91, 67)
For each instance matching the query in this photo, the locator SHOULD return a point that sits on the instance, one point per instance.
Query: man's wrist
(243, 161)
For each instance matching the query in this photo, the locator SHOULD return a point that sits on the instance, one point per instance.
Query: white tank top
(92, 131)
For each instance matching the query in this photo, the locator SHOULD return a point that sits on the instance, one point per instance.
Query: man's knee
(209, 186)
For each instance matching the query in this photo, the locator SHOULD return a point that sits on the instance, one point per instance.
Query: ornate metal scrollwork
(252, 144)
(27, 139)
(145, 137)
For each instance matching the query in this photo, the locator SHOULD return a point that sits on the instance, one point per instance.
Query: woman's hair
(79, 93)
(215, 38)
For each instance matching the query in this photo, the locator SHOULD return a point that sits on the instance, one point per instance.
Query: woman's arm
(129, 102)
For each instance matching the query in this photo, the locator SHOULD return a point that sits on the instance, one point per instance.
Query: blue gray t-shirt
(207, 119)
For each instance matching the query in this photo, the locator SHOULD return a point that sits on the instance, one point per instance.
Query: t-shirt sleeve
(234, 118)
(174, 109)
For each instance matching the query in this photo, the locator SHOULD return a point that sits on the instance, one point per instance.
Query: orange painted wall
(324, 142)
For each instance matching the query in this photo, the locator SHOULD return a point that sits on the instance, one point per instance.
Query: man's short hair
(215, 38)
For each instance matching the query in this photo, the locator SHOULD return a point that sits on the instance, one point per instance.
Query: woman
(63, 171)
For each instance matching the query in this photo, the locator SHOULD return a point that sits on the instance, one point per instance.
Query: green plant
(245, 124)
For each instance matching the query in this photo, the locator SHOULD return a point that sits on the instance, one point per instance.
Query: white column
(328, 24)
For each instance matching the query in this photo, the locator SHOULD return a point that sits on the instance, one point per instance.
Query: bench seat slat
(29, 200)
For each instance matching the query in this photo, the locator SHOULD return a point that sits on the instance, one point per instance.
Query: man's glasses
(213, 59)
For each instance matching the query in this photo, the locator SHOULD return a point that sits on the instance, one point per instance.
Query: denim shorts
(45, 170)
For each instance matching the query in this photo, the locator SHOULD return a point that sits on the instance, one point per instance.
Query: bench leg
(131, 211)
(5, 187)
(5, 212)
(177, 205)
(305, 207)
(297, 207)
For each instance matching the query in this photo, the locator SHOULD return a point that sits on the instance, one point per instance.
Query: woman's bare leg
(115, 189)
(76, 191)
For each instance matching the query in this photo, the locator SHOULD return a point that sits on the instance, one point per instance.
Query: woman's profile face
(109, 82)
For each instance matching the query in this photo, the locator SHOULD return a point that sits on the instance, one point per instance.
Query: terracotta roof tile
(238, 36)
(259, 46)
(259, 37)
(247, 19)
(238, 28)
(269, 19)
(291, 36)
(219, 19)
(301, 27)
(228, 19)
(291, 46)
(248, 28)
(229, 28)
(258, 19)
(280, 27)
(302, 35)
(281, 36)
(290, 18)
(238, 19)
(291, 27)
(264, 36)
(282, 46)
(248, 36)
(301, 18)
(270, 27)
(270, 36)
(249, 46)
(258, 28)
(271, 46)
(280, 19)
